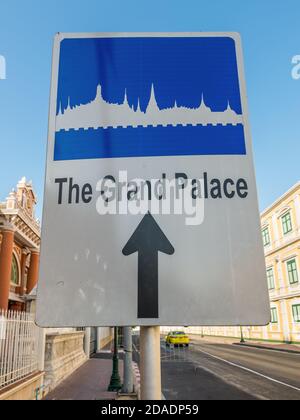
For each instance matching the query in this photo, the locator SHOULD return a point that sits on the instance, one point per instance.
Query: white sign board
(150, 212)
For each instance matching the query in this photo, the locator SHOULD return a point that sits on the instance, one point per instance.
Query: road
(212, 371)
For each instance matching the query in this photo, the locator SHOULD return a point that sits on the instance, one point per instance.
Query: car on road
(177, 338)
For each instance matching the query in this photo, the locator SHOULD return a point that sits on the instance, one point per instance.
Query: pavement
(89, 382)
(207, 370)
(289, 348)
(218, 369)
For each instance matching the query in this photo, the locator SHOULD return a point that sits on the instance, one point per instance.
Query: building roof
(286, 194)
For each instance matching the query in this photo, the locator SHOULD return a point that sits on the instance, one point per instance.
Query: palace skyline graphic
(99, 113)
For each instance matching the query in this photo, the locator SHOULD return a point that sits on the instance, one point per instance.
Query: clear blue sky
(270, 33)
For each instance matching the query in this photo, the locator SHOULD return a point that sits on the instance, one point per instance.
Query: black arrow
(148, 239)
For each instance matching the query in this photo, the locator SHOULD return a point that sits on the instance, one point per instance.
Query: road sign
(150, 211)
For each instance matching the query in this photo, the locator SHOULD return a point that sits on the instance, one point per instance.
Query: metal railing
(19, 341)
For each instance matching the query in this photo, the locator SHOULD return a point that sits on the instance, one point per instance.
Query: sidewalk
(288, 348)
(89, 382)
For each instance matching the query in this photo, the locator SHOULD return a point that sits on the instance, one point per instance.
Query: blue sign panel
(148, 96)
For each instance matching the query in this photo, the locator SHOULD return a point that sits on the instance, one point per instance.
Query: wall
(64, 354)
(30, 388)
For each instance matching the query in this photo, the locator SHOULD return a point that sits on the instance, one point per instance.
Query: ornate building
(19, 246)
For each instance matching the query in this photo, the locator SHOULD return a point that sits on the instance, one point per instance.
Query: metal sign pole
(150, 363)
(128, 374)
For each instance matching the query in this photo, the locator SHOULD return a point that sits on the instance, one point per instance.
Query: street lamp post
(242, 336)
(115, 381)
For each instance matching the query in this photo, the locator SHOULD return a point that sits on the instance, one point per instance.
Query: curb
(136, 379)
(267, 348)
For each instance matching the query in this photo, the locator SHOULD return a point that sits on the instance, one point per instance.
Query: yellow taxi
(177, 338)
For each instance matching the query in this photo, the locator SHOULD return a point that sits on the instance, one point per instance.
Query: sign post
(150, 363)
(128, 373)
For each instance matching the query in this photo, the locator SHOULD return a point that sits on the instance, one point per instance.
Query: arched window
(15, 272)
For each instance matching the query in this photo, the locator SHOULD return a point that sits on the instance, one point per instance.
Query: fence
(19, 341)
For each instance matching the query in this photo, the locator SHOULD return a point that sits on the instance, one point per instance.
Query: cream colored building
(281, 237)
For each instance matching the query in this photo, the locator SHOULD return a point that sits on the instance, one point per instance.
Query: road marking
(250, 370)
(231, 383)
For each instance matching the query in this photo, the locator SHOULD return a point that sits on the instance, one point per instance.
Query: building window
(274, 316)
(296, 313)
(287, 223)
(270, 278)
(292, 271)
(266, 236)
(14, 272)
